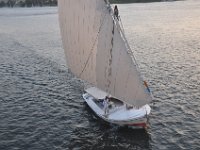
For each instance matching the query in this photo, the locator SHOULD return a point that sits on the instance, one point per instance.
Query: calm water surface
(40, 101)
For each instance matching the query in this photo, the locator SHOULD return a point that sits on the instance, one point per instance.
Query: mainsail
(97, 52)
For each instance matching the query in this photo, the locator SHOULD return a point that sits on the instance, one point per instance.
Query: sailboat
(97, 52)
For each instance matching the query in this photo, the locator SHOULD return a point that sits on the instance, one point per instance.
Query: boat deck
(117, 109)
(118, 113)
(112, 101)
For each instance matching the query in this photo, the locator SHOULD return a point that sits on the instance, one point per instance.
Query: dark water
(40, 101)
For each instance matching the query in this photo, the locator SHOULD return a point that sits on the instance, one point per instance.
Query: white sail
(80, 22)
(96, 50)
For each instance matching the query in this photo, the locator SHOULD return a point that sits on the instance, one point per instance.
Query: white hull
(120, 114)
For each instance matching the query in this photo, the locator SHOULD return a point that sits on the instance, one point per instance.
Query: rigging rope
(132, 55)
(121, 28)
(121, 24)
(93, 46)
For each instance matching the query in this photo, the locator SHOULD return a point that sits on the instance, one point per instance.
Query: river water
(40, 101)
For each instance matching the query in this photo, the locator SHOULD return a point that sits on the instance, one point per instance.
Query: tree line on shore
(28, 3)
(35, 3)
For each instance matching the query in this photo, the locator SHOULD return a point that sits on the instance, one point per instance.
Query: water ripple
(41, 104)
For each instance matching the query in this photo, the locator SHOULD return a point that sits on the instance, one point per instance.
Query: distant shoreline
(34, 3)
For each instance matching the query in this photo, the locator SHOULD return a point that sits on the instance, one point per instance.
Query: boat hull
(137, 118)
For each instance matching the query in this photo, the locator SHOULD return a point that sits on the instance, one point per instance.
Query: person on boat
(128, 106)
(116, 12)
(106, 104)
